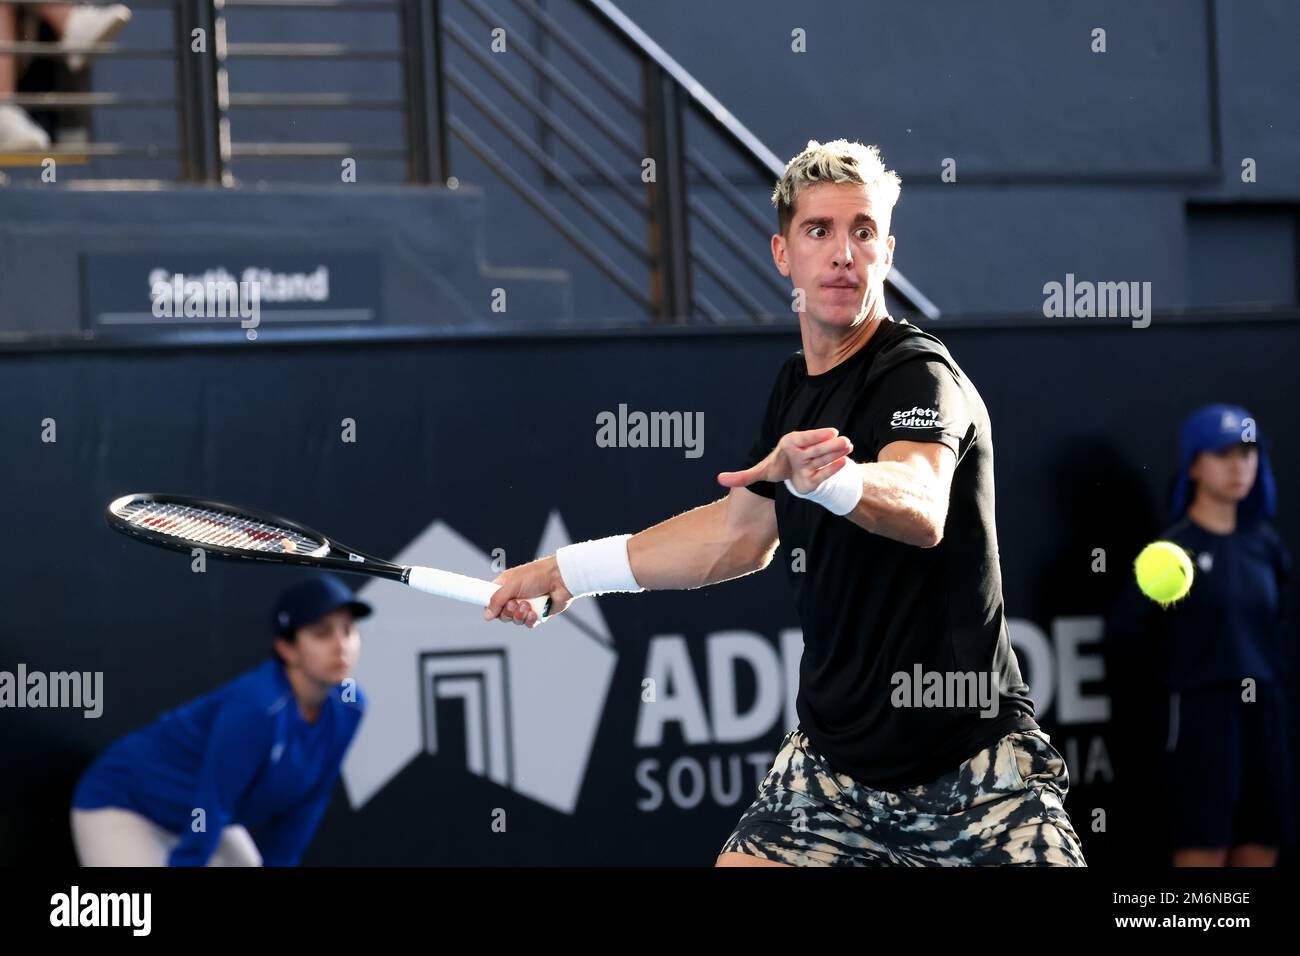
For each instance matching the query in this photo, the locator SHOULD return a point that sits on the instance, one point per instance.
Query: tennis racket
(183, 523)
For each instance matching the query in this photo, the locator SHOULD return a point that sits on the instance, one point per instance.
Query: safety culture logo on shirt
(916, 418)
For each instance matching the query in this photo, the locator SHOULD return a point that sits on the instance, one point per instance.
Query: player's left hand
(806, 458)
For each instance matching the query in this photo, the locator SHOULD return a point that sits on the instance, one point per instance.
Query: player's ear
(889, 253)
(285, 646)
(778, 254)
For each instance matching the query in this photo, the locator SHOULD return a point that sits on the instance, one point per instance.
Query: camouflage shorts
(1002, 807)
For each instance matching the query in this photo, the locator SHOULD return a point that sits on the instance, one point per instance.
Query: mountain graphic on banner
(532, 698)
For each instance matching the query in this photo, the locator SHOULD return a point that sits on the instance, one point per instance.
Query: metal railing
(205, 145)
(691, 226)
(182, 101)
(674, 216)
(409, 55)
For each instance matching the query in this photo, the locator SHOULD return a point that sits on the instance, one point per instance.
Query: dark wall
(463, 447)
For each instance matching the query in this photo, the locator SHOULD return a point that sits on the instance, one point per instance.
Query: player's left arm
(919, 422)
(905, 492)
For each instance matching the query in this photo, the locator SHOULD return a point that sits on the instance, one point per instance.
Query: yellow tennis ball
(1164, 572)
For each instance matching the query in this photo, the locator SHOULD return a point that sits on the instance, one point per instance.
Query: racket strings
(204, 526)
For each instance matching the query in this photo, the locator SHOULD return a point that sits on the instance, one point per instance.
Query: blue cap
(1214, 428)
(311, 600)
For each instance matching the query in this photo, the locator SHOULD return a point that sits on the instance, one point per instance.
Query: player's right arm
(726, 539)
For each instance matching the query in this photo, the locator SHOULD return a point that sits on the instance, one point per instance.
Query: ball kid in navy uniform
(1221, 653)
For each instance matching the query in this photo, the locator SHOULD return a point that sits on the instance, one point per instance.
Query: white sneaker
(91, 25)
(18, 131)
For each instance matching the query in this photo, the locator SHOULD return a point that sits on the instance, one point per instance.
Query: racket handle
(461, 587)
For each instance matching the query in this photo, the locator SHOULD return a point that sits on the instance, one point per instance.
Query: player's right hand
(807, 458)
(540, 578)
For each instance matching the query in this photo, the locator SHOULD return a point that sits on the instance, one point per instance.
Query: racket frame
(337, 556)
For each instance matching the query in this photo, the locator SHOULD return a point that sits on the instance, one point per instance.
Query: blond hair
(839, 161)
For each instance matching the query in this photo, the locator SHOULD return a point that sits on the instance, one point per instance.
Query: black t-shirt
(886, 624)
(1232, 623)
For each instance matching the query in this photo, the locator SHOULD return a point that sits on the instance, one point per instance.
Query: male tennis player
(261, 752)
(875, 457)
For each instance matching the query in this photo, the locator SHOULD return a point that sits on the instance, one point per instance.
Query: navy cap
(311, 600)
(1214, 428)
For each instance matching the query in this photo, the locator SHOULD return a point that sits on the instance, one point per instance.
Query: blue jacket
(243, 754)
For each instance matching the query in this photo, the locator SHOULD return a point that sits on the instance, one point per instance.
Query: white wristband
(838, 494)
(596, 567)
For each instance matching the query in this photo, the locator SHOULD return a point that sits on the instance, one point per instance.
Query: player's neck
(826, 346)
(1213, 514)
(309, 694)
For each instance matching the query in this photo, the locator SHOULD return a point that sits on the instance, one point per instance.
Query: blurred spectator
(76, 26)
(1222, 654)
(260, 753)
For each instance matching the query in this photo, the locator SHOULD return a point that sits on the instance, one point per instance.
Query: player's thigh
(110, 836)
(1005, 806)
(802, 815)
(236, 849)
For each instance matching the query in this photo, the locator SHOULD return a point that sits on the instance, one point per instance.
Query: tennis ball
(1164, 572)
